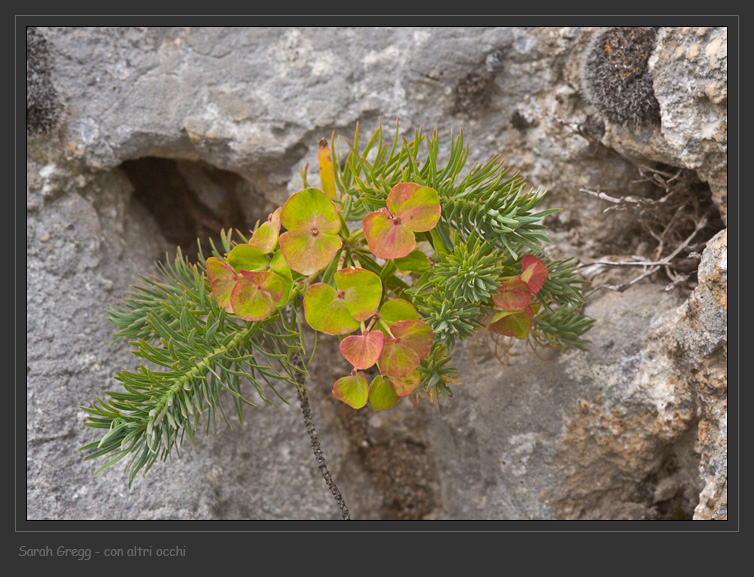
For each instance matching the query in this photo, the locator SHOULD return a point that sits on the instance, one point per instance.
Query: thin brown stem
(306, 411)
(318, 455)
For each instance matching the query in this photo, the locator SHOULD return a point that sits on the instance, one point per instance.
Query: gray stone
(635, 428)
(690, 79)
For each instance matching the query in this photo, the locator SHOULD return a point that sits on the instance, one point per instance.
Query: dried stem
(306, 411)
(675, 220)
(318, 455)
(655, 265)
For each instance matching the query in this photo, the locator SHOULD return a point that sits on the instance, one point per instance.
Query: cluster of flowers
(257, 278)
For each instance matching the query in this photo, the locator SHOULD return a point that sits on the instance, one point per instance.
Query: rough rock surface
(690, 79)
(702, 333)
(166, 133)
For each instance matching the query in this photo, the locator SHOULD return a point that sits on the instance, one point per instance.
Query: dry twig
(674, 221)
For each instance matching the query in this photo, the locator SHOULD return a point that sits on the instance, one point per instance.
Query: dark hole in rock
(193, 201)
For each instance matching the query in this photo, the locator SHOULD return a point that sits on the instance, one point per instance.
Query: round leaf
(514, 324)
(405, 385)
(306, 251)
(415, 334)
(417, 207)
(397, 359)
(362, 289)
(534, 274)
(352, 390)
(310, 209)
(386, 237)
(381, 394)
(246, 257)
(512, 295)
(222, 278)
(325, 311)
(362, 351)
(415, 261)
(396, 310)
(254, 295)
(265, 281)
(265, 238)
(281, 268)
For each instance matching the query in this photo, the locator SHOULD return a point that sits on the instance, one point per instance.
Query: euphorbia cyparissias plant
(396, 255)
(348, 300)
(248, 284)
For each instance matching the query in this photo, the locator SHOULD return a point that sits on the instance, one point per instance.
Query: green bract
(313, 222)
(265, 237)
(396, 310)
(402, 352)
(325, 310)
(415, 261)
(362, 291)
(513, 323)
(339, 310)
(381, 394)
(352, 390)
(246, 257)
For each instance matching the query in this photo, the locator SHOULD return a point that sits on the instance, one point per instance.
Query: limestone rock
(164, 133)
(690, 80)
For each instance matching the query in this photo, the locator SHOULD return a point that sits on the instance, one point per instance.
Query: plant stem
(306, 411)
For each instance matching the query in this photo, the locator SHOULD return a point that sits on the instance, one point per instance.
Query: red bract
(410, 208)
(250, 295)
(402, 353)
(405, 385)
(513, 298)
(534, 274)
(362, 351)
(255, 294)
(222, 278)
(512, 295)
(514, 323)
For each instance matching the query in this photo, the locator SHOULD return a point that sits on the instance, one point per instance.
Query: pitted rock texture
(703, 338)
(690, 81)
(42, 105)
(214, 125)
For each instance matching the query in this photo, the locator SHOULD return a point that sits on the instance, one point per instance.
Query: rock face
(142, 139)
(689, 68)
(702, 334)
